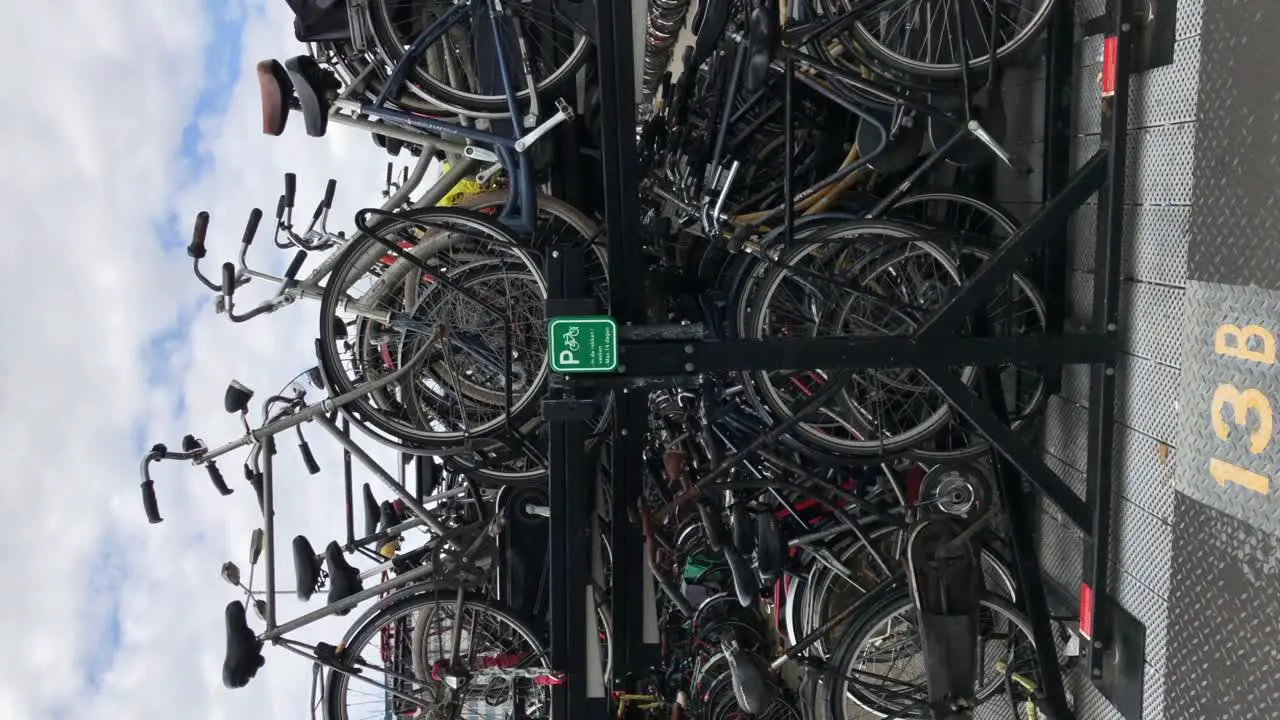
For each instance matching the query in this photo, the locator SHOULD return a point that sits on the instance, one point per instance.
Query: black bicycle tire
(393, 52)
(889, 597)
(358, 252)
(394, 605)
(876, 50)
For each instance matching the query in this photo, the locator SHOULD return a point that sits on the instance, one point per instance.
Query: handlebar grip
(295, 265)
(228, 279)
(280, 208)
(745, 583)
(196, 248)
(329, 190)
(149, 502)
(255, 482)
(390, 169)
(216, 476)
(308, 459)
(251, 227)
(290, 188)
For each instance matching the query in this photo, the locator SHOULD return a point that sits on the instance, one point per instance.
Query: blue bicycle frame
(520, 211)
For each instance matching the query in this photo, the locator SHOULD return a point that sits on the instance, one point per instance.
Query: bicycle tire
(1028, 34)
(777, 406)
(408, 602)
(392, 48)
(891, 601)
(359, 256)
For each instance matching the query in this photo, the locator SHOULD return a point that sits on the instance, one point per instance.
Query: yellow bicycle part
(1026, 683)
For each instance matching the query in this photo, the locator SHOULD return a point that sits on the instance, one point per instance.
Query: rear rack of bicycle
(640, 357)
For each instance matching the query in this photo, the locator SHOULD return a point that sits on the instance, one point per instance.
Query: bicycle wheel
(875, 280)
(409, 641)
(487, 290)
(1017, 308)
(828, 591)
(558, 223)
(880, 664)
(549, 48)
(919, 37)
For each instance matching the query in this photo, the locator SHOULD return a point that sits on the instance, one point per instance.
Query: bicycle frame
(520, 212)
(312, 287)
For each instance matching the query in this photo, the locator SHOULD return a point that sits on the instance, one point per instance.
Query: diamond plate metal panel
(1250, 438)
(1234, 219)
(1144, 542)
(1065, 428)
(1222, 660)
(1153, 692)
(1144, 467)
(1147, 400)
(1141, 552)
(1190, 15)
(1152, 322)
(1061, 549)
(1156, 250)
(1160, 96)
(1159, 166)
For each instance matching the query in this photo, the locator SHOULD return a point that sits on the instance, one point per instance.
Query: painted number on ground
(583, 344)
(1242, 415)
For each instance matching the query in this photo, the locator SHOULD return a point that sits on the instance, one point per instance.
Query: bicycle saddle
(372, 513)
(751, 688)
(762, 38)
(315, 88)
(344, 580)
(244, 649)
(771, 549)
(277, 93)
(306, 568)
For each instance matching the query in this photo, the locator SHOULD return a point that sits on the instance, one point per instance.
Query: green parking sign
(583, 344)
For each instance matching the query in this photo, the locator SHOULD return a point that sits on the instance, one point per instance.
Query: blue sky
(145, 114)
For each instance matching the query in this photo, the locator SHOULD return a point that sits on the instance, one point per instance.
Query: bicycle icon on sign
(571, 338)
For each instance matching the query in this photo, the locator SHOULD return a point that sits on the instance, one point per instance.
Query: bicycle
(302, 84)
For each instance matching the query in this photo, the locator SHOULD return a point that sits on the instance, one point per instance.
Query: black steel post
(1059, 73)
(1117, 63)
(628, 306)
(570, 492)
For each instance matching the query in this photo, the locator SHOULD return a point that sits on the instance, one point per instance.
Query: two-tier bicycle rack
(650, 355)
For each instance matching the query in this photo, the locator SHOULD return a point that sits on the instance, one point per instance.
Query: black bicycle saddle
(244, 649)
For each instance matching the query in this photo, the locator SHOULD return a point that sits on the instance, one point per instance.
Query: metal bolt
(1097, 644)
(622, 369)
(555, 253)
(1111, 327)
(625, 432)
(1097, 672)
(688, 349)
(688, 367)
(1124, 27)
(1111, 371)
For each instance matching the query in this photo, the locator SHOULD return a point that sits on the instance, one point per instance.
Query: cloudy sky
(123, 119)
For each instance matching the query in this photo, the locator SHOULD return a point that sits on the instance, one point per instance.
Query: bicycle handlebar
(196, 249)
(290, 189)
(295, 265)
(251, 227)
(158, 452)
(329, 189)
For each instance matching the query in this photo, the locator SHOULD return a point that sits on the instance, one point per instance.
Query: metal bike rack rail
(652, 354)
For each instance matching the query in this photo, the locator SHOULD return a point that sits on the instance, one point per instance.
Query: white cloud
(90, 178)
